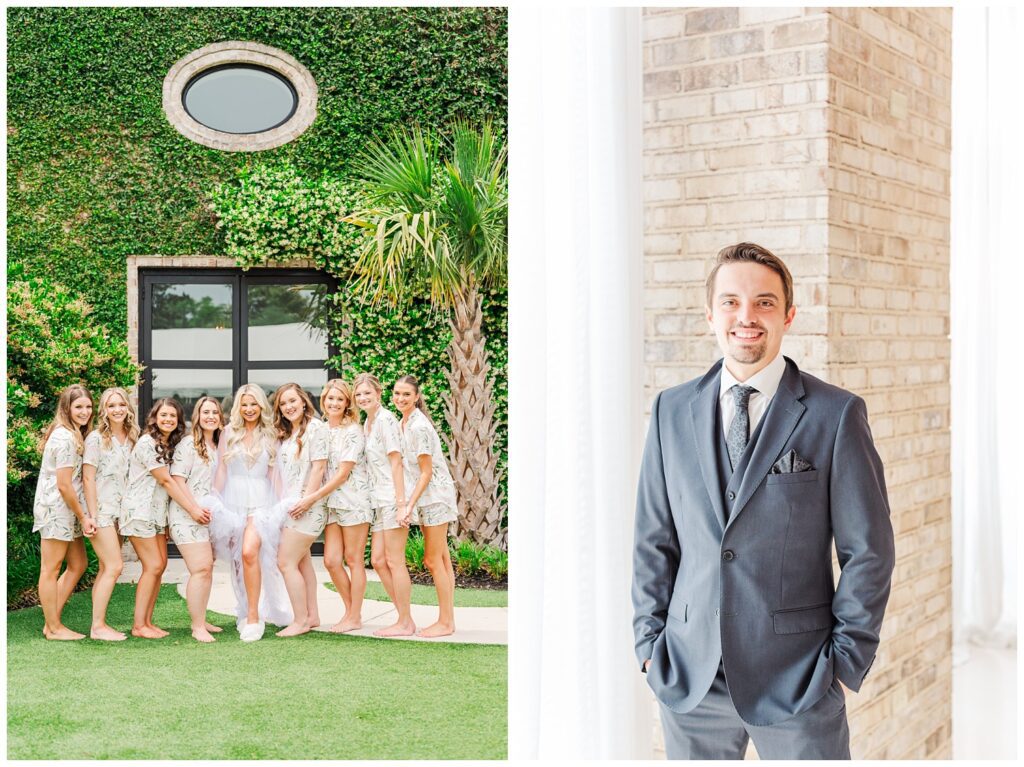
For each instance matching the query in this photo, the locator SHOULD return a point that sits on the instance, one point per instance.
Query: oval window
(240, 98)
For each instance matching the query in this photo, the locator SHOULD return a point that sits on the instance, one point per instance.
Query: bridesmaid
(301, 462)
(144, 511)
(104, 476)
(432, 496)
(59, 510)
(390, 528)
(349, 512)
(194, 463)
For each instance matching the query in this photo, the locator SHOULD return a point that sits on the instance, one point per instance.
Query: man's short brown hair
(748, 251)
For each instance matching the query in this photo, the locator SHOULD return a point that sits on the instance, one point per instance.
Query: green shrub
(272, 213)
(495, 563)
(23, 448)
(52, 342)
(467, 557)
(414, 553)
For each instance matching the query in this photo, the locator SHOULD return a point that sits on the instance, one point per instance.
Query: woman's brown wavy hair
(165, 444)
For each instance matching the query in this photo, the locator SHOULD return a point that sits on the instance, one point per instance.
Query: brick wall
(823, 134)
(735, 147)
(888, 243)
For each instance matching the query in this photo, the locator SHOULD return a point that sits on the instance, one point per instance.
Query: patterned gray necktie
(739, 429)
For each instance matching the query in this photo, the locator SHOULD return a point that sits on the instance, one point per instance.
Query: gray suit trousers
(713, 730)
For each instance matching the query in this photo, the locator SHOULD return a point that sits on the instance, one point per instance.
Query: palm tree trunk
(469, 410)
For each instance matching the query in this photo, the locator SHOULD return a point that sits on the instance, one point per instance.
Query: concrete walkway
(474, 625)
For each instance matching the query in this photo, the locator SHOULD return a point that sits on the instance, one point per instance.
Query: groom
(748, 475)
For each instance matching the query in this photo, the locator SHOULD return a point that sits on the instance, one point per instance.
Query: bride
(245, 526)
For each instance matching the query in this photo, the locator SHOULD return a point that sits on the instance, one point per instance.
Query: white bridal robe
(248, 487)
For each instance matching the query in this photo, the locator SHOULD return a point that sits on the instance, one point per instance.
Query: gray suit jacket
(757, 591)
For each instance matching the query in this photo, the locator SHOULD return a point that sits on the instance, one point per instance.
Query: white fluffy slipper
(252, 632)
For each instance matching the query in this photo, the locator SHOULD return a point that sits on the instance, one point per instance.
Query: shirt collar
(766, 380)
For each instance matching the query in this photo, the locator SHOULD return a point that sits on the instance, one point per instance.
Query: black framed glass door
(208, 331)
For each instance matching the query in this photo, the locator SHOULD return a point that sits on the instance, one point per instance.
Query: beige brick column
(823, 134)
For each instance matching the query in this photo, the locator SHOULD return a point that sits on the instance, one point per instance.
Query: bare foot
(314, 622)
(159, 631)
(202, 635)
(294, 630)
(146, 632)
(346, 624)
(397, 630)
(62, 634)
(106, 634)
(213, 629)
(437, 630)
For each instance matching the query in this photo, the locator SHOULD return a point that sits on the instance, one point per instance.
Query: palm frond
(400, 171)
(477, 200)
(404, 248)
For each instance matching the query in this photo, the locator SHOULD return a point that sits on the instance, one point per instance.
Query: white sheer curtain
(986, 273)
(576, 420)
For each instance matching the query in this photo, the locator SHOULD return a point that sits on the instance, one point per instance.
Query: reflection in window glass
(188, 385)
(191, 322)
(240, 98)
(310, 379)
(286, 322)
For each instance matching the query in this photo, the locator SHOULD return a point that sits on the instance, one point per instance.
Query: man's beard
(748, 354)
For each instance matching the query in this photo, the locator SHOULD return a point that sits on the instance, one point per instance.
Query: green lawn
(320, 696)
(426, 595)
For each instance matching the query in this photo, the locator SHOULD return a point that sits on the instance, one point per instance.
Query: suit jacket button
(717, 611)
(727, 555)
(731, 496)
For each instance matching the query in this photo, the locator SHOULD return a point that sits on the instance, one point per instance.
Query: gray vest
(729, 480)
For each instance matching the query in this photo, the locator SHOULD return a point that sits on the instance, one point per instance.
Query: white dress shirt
(765, 382)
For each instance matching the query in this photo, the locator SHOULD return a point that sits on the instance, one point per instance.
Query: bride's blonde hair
(266, 435)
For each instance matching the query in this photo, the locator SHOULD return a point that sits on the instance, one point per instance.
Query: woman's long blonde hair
(62, 416)
(265, 434)
(131, 424)
(350, 414)
(197, 430)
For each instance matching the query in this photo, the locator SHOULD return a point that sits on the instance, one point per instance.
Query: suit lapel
(781, 419)
(702, 412)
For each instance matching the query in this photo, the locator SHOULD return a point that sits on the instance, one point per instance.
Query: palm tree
(437, 223)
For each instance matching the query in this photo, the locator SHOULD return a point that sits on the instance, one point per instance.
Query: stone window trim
(239, 52)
